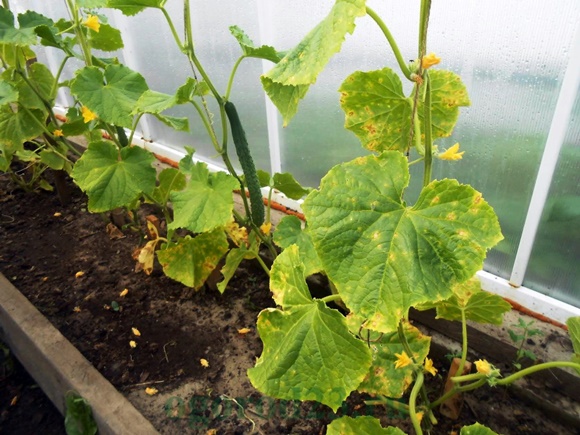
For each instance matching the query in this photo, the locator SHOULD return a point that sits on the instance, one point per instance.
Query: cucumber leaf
(364, 425)
(250, 50)
(385, 257)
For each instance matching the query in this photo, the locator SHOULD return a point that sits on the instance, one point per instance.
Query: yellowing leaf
(14, 401)
(77, 309)
(151, 391)
(204, 362)
(57, 214)
(136, 332)
(147, 256)
(243, 331)
(79, 274)
(211, 432)
(124, 293)
(133, 344)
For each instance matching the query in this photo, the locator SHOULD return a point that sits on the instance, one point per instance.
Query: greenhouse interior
(287, 217)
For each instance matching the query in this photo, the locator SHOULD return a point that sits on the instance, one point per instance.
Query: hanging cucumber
(245, 158)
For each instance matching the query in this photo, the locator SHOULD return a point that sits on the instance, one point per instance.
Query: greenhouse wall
(519, 60)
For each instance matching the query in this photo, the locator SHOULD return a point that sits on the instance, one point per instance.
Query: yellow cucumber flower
(266, 227)
(57, 133)
(430, 60)
(402, 360)
(92, 22)
(88, 116)
(483, 367)
(429, 366)
(451, 153)
(420, 415)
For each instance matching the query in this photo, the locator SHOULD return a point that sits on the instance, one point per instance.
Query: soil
(45, 247)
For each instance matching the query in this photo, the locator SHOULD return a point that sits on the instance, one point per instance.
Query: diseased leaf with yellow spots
(288, 81)
(384, 256)
(383, 376)
(309, 353)
(191, 260)
(448, 93)
(365, 425)
(376, 109)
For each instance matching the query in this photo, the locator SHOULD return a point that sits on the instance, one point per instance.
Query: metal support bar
(556, 137)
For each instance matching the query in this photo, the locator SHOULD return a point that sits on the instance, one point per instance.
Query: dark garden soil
(65, 262)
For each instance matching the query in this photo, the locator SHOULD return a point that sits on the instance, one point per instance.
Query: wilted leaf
(364, 425)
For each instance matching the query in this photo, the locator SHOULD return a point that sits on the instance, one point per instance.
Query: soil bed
(45, 246)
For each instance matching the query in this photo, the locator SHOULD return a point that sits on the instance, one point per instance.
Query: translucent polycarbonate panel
(512, 62)
(151, 49)
(553, 267)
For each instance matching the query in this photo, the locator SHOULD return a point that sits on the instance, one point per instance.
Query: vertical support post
(556, 136)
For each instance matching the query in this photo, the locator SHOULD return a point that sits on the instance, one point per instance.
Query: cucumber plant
(382, 255)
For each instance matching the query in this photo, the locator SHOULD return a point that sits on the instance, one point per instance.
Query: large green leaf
(207, 201)
(289, 80)
(287, 184)
(191, 260)
(18, 127)
(309, 353)
(448, 93)
(385, 257)
(364, 425)
(477, 429)
(376, 109)
(573, 324)
(111, 178)
(383, 378)
(289, 232)
(106, 39)
(132, 7)
(250, 50)
(112, 96)
(10, 34)
(478, 305)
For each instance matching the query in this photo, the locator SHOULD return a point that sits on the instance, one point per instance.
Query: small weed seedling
(520, 339)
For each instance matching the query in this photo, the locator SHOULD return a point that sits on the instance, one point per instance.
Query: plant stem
(58, 74)
(464, 343)
(231, 79)
(172, 28)
(402, 64)
(6, 4)
(537, 368)
(412, 402)
(414, 162)
(428, 136)
(79, 32)
(263, 264)
(457, 389)
(423, 25)
(330, 298)
(394, 404)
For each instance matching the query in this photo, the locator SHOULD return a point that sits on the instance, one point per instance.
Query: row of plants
(381, 255)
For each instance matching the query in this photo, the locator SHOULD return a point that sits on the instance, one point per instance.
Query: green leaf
(191, 260)
(5, 159)
(18, 127)
(288, 280)
(287, 184)
(376, 109)
(92, 4)
(8, 93)
(290, 78)
(79, 418)
(52, 159)
(573, 324)
(233, 260)
(111, 178)
(289, 232)
(132, 7)
(112, 96)
(478, 305)
(106, 39)
(250, 50)
(43, 81)
(154, 102)
(207, 201)
(448, 93)
(264, 178)
(31, 20)
(477, 429)
(176, 123)
(383, 378)
(364, 425)
(170, 179)
(385, 257)
(309, 354)
(10, 34)
(284, 97)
